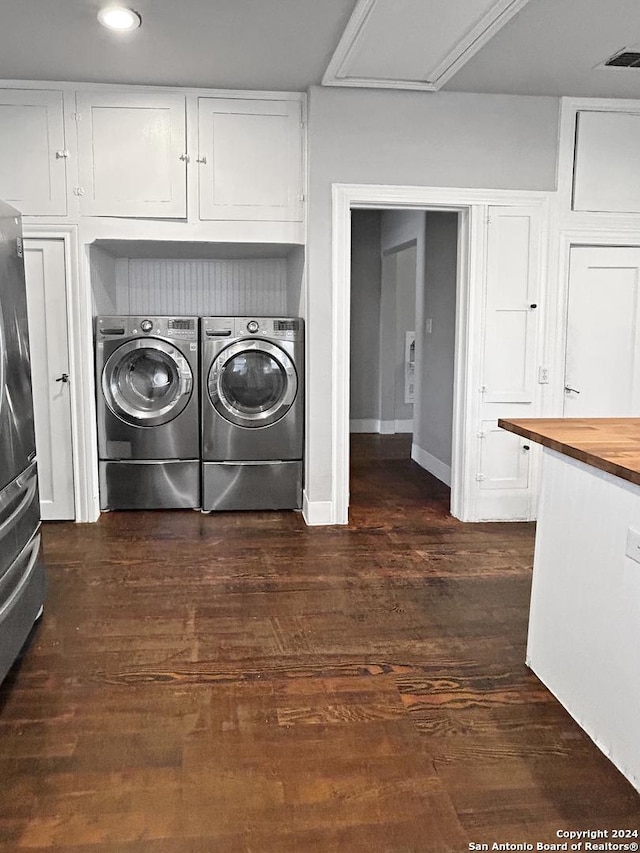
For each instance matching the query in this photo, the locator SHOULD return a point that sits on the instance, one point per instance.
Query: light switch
(633, 544)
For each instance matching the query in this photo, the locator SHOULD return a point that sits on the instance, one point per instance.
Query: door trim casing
(472, 205)
(81, 387)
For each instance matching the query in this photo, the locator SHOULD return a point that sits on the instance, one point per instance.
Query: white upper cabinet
(250, 159)
(510, 330)
(607, 162)
(132, 154)
(511, 305)
(32, 151)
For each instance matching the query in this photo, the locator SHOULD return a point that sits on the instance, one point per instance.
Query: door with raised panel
(32, 152)
(602, 361)
(505, 481)
(132, 154)
(45, 272)
(250, 159)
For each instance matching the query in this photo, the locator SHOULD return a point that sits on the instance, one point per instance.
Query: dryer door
(147, 382)
(252, 383)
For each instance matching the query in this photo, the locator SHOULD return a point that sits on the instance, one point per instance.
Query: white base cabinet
(584, 624)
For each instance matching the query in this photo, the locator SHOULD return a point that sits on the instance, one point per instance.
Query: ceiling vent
(624, 59)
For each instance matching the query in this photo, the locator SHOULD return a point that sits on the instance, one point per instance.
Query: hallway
(240, 682)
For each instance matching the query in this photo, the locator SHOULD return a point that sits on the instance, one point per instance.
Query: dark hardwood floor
(240, 682)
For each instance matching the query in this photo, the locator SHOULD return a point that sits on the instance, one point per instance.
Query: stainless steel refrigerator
(22, 578)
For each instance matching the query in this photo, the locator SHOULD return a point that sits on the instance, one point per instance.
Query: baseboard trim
(434, 466)
(317, 513)
(380, 427)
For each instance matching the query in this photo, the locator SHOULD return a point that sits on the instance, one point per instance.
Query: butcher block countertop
(611, 444)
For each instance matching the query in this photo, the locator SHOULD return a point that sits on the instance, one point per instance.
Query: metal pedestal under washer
(147, 406)
(252, 412)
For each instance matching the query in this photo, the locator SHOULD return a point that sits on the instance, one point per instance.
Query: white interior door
(602, 364)
(48, 340)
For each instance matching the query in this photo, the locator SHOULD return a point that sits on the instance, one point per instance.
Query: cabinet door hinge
(185, 158)
(19, 250)
(301, 197)
(480, 477)
(62, 154)
(483, 389)
(77, 116)
(79, 191)
(481, 434)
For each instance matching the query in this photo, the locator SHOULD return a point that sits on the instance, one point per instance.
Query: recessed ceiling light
(119, 18)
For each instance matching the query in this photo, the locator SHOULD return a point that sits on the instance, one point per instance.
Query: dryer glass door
(147, 382)
(253, 383)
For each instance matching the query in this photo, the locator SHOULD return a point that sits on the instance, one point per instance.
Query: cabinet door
(250, 159)
(32, 152)
(132, 155)
(507, 475)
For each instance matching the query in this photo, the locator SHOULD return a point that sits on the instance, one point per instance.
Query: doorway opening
(403, 307)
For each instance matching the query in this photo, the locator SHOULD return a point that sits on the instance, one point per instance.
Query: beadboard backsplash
(201, 287)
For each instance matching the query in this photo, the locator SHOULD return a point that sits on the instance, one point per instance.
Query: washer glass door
(147, 382)
(2, 364)
(253, 383)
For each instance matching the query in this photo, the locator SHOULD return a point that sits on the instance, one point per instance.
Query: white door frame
(472, 204)
(79, 321)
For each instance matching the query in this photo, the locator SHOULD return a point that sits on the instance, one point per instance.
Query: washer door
(147, 382)
(252, 383)
(3, 358)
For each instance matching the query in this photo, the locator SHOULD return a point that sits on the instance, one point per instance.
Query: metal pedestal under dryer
(252, 416)
(147, 404)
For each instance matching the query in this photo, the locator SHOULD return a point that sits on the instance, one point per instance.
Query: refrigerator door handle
(11, 512)
(34, 551)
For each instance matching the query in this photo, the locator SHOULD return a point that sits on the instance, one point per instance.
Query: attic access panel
(410, 44)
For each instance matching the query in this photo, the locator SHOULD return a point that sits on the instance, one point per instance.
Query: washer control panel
(282, 328)
(176, 328)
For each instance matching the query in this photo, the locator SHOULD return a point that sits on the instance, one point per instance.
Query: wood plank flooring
(241, 683)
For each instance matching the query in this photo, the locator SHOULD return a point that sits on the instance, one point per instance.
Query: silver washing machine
(147, 406)
(252, 416)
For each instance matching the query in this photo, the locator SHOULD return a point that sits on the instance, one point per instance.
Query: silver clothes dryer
(252, 417)
(147, 406)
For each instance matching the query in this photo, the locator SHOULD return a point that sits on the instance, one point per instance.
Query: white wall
(445, 139)
(202, 287)
(434, 425)
(103, 281)
(405, 321)
(365, 315)
(406, 228)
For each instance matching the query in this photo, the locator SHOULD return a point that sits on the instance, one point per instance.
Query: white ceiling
(550, 47)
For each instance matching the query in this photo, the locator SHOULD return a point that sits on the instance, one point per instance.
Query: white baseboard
(434, 466)
(317, 513)
(380, 427)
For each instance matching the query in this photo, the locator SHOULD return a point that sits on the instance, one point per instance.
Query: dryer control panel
(278, 328)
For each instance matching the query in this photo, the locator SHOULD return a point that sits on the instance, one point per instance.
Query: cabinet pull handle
(202, 160)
